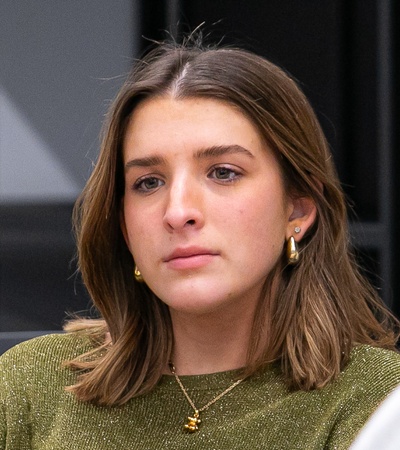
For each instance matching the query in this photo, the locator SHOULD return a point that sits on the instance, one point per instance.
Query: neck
(210, 343)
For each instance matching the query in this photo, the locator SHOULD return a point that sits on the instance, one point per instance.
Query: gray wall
(61, 63)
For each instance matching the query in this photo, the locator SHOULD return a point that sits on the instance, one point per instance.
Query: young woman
(212, 238)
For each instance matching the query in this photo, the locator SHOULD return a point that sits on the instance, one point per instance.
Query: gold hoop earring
(138, 276)
(292, 251)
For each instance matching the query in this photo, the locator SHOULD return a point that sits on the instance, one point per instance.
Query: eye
(223, 173)
(147, 184)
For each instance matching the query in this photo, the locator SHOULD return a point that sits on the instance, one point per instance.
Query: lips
(190, 257)
(188, 252)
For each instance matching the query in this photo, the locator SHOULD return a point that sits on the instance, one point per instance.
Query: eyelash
(139, 184)
(233, 175)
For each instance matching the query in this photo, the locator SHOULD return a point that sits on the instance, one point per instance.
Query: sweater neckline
(218, 380)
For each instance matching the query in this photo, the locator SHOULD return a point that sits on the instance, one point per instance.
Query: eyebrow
(220, 150)
(204, 153)
(147, 161)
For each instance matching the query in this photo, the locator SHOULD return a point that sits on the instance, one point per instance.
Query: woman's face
(205, 212)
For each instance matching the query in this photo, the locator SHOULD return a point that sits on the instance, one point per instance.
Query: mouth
(190, 258)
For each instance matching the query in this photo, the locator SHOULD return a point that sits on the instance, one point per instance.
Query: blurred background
(63, 62)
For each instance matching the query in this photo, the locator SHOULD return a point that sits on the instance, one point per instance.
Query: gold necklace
(193, 423)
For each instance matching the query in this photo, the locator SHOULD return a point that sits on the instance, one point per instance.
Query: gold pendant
(193, 422)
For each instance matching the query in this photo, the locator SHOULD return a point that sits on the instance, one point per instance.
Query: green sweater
(259, 413)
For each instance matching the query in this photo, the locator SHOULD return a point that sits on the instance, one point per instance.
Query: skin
(205, 216)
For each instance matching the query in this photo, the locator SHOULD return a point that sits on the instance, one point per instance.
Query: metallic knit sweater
(260, 413)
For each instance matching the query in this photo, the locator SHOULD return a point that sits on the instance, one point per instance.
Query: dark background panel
(39, 286)
(396, 154)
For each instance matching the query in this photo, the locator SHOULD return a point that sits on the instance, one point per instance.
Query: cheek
(144, 236)
(134, 228)
(261, 224)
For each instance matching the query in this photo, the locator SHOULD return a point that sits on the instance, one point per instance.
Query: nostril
(191, 222)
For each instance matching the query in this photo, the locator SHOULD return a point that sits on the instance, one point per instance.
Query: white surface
(382, 431)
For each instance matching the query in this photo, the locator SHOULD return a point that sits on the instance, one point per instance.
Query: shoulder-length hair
(309, 316)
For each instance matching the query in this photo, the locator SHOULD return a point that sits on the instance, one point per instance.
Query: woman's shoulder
(371, 373)
(366, 359)
(33, 377)
(43, 353)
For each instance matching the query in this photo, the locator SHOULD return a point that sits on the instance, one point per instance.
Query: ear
(302, 217)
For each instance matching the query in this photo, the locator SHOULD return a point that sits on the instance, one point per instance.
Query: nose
(184, 208)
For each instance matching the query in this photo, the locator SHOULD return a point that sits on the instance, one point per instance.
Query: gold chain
(194, 422)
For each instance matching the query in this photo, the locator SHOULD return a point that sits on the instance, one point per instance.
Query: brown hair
(309, 317)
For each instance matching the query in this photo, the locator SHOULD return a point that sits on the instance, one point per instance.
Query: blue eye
(148, 184)
(224, 174)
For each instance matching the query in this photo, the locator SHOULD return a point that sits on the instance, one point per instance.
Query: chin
(191, 303)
